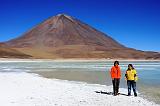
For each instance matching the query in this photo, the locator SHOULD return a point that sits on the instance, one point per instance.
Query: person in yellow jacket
(131, 76)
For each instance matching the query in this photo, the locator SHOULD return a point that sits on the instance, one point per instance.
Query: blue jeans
(131, 83)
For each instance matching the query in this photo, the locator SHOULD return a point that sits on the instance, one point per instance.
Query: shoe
(135, 94)
(129, 95)
(114, 94)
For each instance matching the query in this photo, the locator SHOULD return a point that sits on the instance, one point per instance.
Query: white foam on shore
(24, 89)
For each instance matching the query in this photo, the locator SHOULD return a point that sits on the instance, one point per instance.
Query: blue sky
(133, 23)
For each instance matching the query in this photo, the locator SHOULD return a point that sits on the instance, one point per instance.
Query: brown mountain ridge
(63, 36)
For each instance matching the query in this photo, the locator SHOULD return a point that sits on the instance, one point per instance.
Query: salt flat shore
(26, 89)
(69, 60)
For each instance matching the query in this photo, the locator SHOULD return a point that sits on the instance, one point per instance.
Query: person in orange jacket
(115, 75)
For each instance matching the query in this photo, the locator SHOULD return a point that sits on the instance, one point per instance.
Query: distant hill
(63, 36)
(6, 52)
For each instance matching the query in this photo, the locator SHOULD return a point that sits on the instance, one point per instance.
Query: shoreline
(71, 60)
(101, 78)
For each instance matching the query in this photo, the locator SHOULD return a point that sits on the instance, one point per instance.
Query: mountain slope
(6, 52)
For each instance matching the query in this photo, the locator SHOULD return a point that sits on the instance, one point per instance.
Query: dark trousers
(115, 83)
(131, 83)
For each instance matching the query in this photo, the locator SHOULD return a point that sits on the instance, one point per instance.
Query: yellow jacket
(131, 75)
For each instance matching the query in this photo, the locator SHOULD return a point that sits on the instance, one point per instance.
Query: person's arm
(120, 72)
(111, 73)
(135, 76)
(126, 75)
(135, 73)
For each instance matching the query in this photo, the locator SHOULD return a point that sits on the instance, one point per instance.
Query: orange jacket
(115, 72)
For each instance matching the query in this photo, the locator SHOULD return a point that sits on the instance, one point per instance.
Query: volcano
(63, 36)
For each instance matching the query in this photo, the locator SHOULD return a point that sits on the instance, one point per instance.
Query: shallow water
(94, 72)
(148, 90)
